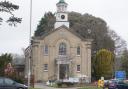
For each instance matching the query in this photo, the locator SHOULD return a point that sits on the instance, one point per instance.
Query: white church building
(61, 53)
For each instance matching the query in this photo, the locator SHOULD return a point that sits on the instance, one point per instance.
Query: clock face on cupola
(62, 14)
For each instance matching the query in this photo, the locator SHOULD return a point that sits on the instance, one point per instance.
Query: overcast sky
(13, 39)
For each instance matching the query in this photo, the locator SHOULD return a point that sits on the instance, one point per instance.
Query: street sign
(120, 75)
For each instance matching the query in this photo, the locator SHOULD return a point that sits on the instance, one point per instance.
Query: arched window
(62, 49)
(78, 50)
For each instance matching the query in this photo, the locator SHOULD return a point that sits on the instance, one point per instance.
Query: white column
(89, 63)
(58, 72)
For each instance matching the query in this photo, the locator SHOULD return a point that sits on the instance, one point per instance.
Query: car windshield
(113, 81)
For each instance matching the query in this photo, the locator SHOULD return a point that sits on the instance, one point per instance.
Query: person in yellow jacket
(100, 83)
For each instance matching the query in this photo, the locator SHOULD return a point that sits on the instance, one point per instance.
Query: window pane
(9, 81)
(78, 68)
(78, 50)
(46, 49)
(45, 67)
(1, 81)
(62, 49)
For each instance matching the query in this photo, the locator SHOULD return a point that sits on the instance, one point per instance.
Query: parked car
(122, 85)
(112, 84)
(7, 83)
(118, 84)
(106, 84)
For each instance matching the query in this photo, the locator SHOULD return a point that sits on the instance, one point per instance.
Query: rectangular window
(46, 50)
(45, 67)
(78, 50)
(78, 68)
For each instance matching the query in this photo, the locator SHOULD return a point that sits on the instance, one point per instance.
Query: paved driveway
(42, 86)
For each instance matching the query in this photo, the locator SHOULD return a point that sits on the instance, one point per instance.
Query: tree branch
(6, 6)
(14, 20)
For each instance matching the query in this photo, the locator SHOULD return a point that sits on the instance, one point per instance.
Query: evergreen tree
(46, 24)
(103, 64)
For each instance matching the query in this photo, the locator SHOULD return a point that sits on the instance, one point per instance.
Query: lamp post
(29, 60)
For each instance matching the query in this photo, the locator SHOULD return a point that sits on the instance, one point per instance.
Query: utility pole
(30, 56)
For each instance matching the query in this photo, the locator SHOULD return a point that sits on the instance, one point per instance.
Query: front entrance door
(64, 71)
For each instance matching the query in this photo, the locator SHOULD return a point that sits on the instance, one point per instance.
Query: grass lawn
(34, 88)
(90, 87)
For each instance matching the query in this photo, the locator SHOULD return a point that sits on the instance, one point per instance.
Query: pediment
(61, 30)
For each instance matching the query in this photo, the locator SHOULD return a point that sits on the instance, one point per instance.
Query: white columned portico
(62, 60)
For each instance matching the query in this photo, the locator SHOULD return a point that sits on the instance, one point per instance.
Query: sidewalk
(42, 86)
